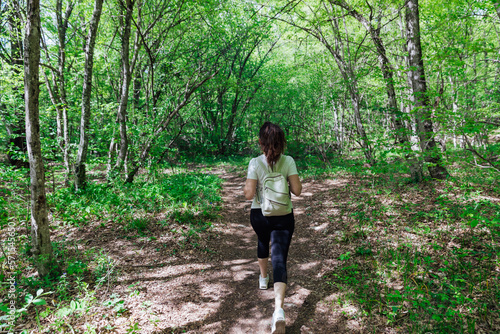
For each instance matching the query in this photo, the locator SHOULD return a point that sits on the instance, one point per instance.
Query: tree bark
(189, 90)
(81, 159)
(42, 248)
(126, 23)
(57, 91)
(419, 86)
(62, 27)
(347, 71)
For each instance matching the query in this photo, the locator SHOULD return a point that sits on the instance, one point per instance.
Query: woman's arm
(250, 188)
(295, 185)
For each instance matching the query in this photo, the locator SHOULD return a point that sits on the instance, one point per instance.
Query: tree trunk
(81, 159)
(347, 71)
(365, 143)
(128, 8)
(62, 27)
(419, 87)
(137, 164)
(42, 248)
(387, 71)
(111, 151)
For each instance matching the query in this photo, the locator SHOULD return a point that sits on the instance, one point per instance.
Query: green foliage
(13, 194)
(421, 283)
(196, 192)
(36, 300)
(443, 295)
(222, 46)
(116, 303)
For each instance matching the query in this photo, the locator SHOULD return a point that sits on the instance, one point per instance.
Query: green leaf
(474, 223)
(39, 302)
(28, 298)
(64, 312)
(4, 308)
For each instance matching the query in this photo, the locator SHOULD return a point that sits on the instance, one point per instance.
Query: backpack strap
(266, 171)
(279, 166)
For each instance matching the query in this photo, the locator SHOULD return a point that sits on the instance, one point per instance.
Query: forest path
(217, 291)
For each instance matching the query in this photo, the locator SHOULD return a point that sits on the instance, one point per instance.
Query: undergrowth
(419, 257)
(425, 257)
(188, 200)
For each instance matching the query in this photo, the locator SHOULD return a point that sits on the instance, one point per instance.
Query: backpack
(275, 199)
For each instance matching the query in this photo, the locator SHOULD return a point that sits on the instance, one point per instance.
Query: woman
(276, 229)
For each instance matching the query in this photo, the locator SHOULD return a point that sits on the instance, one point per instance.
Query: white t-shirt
(255, 172)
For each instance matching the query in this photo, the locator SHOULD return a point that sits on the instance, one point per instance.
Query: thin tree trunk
(419, 87)
(350, 79)
(62, 27)
(137, 164)
(347, 71)
(111, 154)
(128, 8)
(42, 248)
(81, 159)
(59, 101)
(66, 147)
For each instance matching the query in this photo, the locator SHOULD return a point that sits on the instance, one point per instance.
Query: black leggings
(278, 230)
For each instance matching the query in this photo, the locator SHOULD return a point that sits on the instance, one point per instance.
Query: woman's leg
(281, 237)
(279, 295)
(261, 227)
(263, 267)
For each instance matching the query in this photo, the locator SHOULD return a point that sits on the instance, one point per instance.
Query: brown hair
(272, 141)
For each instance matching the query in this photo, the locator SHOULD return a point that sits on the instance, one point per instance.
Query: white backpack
(275, 199)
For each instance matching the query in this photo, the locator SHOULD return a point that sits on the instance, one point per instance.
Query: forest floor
(213, 287)
(368, 255)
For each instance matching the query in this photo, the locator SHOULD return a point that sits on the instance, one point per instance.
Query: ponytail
(272, 142)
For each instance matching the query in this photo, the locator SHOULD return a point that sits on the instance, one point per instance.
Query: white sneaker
(278, 326)
(263, 282)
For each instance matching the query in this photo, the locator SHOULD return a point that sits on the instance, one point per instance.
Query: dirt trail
(217, 292)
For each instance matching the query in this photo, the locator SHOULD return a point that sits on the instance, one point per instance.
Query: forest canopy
(200, 76)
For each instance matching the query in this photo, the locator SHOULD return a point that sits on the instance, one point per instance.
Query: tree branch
(476, 153)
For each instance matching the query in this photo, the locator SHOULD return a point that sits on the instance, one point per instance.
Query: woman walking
(274, 229)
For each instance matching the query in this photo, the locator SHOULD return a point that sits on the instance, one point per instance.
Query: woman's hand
(250, 189)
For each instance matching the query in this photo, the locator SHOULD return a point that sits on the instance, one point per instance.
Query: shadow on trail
(245, 309)
(193, 291)
(218, 292)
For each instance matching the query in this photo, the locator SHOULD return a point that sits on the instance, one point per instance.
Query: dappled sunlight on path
(217, 292)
